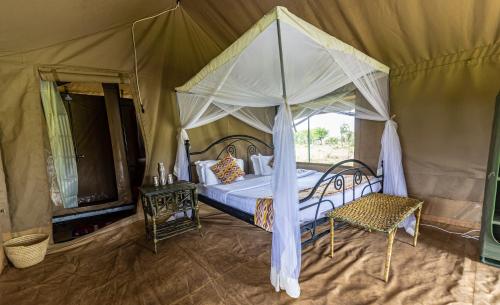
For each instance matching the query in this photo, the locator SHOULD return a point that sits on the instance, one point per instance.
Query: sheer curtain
(61, 143)
(196, 111)
(374, 86)
(286, 246)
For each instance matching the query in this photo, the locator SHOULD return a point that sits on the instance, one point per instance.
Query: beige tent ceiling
(38, 24)
(395, 32)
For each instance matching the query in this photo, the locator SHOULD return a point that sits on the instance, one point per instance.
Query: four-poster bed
(285, 63)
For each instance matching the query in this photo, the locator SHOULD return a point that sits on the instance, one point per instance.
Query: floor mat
(229, 264)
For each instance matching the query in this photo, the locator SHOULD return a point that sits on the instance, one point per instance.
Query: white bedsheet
(242, 195)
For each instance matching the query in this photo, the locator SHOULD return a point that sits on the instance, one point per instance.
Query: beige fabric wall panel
(202, 136)
(445, 114)
(367, 141)
(4, 214)
(22, 142)
(171, 49)
(5, 226)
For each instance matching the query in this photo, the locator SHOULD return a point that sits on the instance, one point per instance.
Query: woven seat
(378, 212)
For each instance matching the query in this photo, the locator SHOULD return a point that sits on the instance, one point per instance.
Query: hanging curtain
(286, 246)
(61, 143)
(194, 111)
(374, 86)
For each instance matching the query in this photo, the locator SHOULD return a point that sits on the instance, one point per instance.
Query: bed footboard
(343, 178)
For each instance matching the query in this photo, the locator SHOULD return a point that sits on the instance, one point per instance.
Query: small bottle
(156, 181)
(170, 179)
(162, 173)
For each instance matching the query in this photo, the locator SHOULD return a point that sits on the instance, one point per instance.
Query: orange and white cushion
(227, 170)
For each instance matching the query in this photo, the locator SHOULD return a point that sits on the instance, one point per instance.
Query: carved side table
(169, 210)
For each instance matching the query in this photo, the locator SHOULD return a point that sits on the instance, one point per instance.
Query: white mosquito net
(284, 62)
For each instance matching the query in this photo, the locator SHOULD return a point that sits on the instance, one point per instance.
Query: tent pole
(281, 61)
(308, 140)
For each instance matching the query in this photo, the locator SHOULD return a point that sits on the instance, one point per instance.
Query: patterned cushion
(227, 170)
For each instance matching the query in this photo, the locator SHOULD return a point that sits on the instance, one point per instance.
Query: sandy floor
(229, 264)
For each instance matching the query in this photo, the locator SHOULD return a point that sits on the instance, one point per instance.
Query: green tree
(319, 134)
(334, 141)
(346, 135)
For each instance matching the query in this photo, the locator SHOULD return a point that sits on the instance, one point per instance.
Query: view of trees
(318, 134)
(321, 136)
(328, 138)
(301, 137)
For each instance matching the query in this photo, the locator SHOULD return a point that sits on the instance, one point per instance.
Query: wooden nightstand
(169, 210)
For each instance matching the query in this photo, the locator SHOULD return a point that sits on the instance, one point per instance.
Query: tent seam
(399, 71)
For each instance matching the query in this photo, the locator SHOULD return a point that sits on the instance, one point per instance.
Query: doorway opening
(109, 153)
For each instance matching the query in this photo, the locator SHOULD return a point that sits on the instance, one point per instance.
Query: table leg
(390, 240)
(332, 235)
(417, 225)
(155, 235)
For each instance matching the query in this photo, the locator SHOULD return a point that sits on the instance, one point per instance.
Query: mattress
(242, 195)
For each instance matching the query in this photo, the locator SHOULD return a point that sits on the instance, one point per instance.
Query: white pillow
(255, 164)
(265, 169)
(210, 178)
(241, 164)
(200, 170)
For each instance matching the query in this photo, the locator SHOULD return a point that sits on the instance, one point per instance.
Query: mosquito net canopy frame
(282, 61)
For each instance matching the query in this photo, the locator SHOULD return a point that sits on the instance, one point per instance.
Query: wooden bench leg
(417, 225)
(332, 228)
(390, 240)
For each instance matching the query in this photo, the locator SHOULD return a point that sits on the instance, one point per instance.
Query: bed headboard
(239, 146)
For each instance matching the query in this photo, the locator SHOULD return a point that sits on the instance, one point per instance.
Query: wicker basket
(28, 250)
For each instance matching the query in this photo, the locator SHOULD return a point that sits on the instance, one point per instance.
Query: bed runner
(264, 214)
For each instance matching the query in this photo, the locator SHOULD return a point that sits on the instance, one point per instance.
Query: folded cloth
(264, 213)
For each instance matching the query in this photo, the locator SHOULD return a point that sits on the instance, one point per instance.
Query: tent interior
(93, 99)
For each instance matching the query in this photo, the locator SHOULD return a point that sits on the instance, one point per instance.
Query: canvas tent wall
(92, 58)
(443, 55)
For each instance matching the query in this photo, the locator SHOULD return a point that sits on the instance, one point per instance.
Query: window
(325, 138)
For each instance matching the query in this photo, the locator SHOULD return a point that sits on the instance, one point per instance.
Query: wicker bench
(378, 212)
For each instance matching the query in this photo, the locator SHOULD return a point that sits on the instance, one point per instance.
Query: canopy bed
(280, 71)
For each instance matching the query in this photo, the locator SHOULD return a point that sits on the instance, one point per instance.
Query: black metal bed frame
(336, 174)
